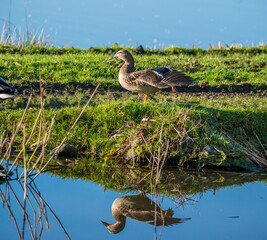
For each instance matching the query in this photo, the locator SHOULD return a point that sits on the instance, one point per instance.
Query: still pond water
(86, 23)
(234, 211)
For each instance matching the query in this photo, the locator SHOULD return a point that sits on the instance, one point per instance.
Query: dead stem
(250, 151)
(44, 144)
(34, 126)
(7, 153)
(260, 143)
(65, 138)
(41, 204)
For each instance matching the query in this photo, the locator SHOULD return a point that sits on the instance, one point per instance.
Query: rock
(212, 155)
(208, 150)
(66, 151)
(140, 50)
(231, 157)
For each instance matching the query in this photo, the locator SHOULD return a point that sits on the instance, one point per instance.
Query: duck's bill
(113, 57)
(106, 224)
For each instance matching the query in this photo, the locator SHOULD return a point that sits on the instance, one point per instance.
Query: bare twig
(65, 138)
(7, 153)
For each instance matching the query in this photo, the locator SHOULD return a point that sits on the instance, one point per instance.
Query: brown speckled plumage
(140, 208)
(148, 81)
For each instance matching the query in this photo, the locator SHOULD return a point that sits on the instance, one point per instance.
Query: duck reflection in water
(140, 208)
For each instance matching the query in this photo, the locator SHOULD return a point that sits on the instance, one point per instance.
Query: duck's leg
(174, 90)
(146, 97)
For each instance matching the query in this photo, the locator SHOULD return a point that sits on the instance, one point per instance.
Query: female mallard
(6, 90)
(140, 208)
(148, 81)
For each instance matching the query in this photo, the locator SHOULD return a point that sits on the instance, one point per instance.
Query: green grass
(216, 66)
(113, 122)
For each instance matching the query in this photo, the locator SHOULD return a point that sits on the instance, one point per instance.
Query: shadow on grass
(72, 87)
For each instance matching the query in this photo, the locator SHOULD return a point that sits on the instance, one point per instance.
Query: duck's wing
(173, 77)
(166, 221)
(150, 217)
(148, 78)
(162, 77)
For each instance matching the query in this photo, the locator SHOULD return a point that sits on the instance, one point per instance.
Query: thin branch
(63, 141)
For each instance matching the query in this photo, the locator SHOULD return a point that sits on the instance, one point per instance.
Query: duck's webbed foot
(146, 97)
(174, 90)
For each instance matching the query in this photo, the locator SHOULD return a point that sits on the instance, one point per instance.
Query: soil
(204, 89)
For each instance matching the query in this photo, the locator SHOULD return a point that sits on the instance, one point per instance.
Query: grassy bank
(192, 129)
(22, 66)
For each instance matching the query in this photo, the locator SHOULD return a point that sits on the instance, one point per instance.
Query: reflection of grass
(172, 182)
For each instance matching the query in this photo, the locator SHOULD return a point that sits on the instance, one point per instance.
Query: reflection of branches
(32, 196)
(46, 204)
(7, 203)
(37, 204)
(158, 162)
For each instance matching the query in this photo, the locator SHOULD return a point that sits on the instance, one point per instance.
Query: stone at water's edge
(65, 151)
(228, 158)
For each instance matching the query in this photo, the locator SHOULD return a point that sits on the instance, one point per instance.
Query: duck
(141, 208)
(6, 90)
(150, 80)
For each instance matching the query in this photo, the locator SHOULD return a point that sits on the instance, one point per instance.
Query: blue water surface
(86, 23)
(237, 212)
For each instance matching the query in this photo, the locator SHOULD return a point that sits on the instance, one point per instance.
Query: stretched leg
(174, 90)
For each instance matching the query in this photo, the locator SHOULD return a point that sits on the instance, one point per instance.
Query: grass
(126, 141)
(121, 125)
(22, 66)
(14, 37)
(109, 123)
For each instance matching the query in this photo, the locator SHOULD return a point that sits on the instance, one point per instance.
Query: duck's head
(114, 228)
(123, 55)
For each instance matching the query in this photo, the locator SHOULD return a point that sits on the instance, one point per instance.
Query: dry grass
(25, 178)
(16, 38)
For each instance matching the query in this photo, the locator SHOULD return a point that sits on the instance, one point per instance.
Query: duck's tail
(6, 90)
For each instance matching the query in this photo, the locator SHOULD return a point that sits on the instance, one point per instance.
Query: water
(229, 212)
(84, 23)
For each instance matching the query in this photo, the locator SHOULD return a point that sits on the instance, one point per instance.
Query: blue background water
(80, 205)
(86, 23)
